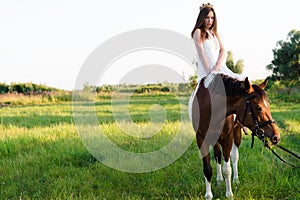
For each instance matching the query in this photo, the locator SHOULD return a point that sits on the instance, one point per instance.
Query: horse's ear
(264, 84)
(248, 86)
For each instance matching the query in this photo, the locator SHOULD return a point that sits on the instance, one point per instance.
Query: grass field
(43, 157)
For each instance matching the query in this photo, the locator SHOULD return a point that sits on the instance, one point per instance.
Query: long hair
(200, 22)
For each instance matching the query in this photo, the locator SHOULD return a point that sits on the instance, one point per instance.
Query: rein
(286, 150)
(259, 132)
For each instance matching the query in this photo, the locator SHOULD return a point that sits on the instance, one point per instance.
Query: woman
(211, 53)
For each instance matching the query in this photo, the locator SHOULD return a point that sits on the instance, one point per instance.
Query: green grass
(43, 157)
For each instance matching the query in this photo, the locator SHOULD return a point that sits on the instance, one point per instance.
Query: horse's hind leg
(235, 152)
(218, 158)
(207, 170)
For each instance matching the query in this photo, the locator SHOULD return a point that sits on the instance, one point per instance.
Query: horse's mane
(259, 92)
(232, 85)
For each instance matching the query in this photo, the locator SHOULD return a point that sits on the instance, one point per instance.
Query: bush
(284, 90)
(4, 88)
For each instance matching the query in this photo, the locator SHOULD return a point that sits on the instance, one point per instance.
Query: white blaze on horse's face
(266, 104)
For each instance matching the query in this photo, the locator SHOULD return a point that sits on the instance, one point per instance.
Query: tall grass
(20, 99)
(43, 157)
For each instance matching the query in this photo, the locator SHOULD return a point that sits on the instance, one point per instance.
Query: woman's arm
(199, 46)
(221, 55)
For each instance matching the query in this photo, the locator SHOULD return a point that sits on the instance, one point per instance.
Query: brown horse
(213, 110)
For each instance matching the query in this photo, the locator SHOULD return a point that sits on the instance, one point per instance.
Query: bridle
(257, 131)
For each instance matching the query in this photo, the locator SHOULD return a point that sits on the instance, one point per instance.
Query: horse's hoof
(229, 196)
(220, 179)
(236, 181)
(208, 196)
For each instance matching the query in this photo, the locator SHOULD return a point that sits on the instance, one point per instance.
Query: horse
(219, 111)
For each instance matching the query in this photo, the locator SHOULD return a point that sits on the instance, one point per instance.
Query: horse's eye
(258, 109)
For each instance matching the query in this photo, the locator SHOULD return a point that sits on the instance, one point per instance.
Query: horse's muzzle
(275, 139)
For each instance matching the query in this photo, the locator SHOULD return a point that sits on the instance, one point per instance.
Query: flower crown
(207, 5)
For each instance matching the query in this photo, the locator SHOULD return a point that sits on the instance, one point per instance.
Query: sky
(47, 42)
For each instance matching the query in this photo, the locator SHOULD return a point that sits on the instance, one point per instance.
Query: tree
(236, 68)
(4, 88)
(193, 80)
(286, 62)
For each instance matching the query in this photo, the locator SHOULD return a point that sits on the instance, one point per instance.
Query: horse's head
(254, 113)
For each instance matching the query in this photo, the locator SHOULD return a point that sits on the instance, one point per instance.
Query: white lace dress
(211, 48)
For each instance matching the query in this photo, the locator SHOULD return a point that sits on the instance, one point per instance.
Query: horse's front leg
(227, 171)
(218, 158)
(237, 134)
(235, 159)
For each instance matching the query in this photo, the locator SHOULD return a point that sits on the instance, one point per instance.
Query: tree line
(136, 88)
(25, 88)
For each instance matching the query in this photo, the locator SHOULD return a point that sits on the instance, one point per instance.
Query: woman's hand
(207, 71)
(216, 68)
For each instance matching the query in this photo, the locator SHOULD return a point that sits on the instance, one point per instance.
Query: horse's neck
(233, 104)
